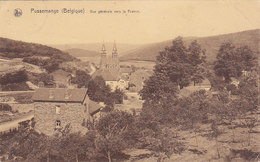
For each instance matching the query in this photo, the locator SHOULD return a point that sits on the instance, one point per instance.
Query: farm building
(56, 108)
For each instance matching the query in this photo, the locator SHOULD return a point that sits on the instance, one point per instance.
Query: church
(109, 69)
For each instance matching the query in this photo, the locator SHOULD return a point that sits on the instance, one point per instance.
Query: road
(6, 126)
(15, 92)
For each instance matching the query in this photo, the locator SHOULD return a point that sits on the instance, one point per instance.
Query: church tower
(103, 56)
(115, 56)
(114, 52)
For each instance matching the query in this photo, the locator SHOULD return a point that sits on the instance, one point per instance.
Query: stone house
(56, 108)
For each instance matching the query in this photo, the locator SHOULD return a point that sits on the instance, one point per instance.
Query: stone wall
(70, 113)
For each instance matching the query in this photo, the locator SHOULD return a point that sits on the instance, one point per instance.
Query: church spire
(103, 50)
(114, 52)
(103, 56)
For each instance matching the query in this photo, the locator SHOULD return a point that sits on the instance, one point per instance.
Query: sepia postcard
(129, 81)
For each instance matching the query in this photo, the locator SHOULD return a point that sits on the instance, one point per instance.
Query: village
(80, 98)
(64, 92)
(54, 106)
(129, 81)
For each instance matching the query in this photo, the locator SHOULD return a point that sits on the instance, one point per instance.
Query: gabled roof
(109, 60)
(60, 95)
(94, 107)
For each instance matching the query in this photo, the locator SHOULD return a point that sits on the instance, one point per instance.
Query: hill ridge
(210, 43)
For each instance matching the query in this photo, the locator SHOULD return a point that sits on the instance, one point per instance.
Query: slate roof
(109, 60)
(60, 95)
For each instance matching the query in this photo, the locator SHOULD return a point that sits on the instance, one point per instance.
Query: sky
(156, 21)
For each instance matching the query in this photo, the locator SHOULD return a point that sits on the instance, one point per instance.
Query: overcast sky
(157, 20)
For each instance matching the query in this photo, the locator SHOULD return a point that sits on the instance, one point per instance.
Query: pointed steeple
(103, 50)
(103, 56)
(114, 47)
(114, 52)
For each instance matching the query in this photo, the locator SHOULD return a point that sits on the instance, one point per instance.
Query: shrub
(15, 87)
(5, 107)
(15, 77)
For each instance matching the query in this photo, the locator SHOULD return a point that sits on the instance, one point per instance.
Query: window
(58, 124)
(57, 109)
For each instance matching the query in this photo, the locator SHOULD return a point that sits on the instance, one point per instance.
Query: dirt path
(6, 126)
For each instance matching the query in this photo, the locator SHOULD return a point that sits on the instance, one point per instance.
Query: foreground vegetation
(215, 125)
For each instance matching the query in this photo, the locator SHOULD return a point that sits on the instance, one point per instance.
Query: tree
(176, 67)
(98, 90)
(71, 146)
(231, 61)
(46, 78)
(15, 77)
(248, 91)
(117, 96)
(30, 145)
(197, 59)
(82, 78)
(166, 144)
(35, 61)
(5, 107)
(111, 129)
(192, 110)
(158, 87)
(215, 133)
(110, 145)
(52, 65)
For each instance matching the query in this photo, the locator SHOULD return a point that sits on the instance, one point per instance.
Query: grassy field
(145, 64)
(232, 145)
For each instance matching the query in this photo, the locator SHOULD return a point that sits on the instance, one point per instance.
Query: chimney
(51, 94)
(67, 94)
